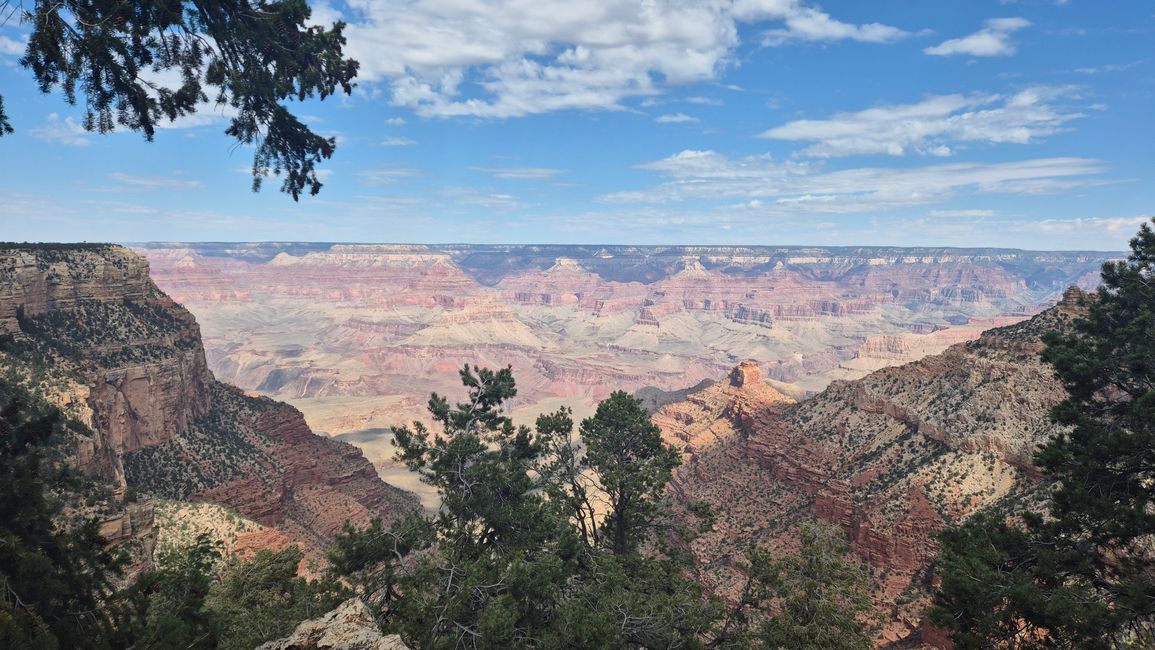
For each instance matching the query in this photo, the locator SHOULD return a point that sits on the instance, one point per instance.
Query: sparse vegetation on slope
(1079, 576)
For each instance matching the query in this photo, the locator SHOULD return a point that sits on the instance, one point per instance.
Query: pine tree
(248, 55)
(56, 580)
(1084, 575)
(515, 557)
(813, 599)
(633, 465)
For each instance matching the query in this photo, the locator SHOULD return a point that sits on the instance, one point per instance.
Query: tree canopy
(546, 540)
(515, 557)
(138, 64)
(54, 580)
(1083, 574)
(820, 593)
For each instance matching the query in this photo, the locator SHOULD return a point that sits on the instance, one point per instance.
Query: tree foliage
(813, 599)
(625, 451)
(170, 600)
(1083, 576)
(250, 56)
(515, 556)
(262, 597)
(55, 580)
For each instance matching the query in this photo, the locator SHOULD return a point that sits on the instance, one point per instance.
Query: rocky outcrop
(891, 458)
(318, 485)
(96, 308)
(132, 529)
(36, 280)
(127, 362)
(349, 627)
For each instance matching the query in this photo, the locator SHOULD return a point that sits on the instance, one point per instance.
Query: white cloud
(1112, 67)
(446, 58)
(387, 175)
(11, 46)
(521, 173)
(398, 142)
(395, 121)
(769, 186)
(807, 24)
(675, 118)
(155, 182)
(934, 125)
(992, 40)
(962, 214)
(474, 196)
(1119, 226)
(62, 131)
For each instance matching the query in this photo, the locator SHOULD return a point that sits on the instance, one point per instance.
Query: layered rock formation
(87, 326)
(892, 458)
(342, 331)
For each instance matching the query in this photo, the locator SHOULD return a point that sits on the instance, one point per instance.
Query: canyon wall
(87, 328)
(892, 458)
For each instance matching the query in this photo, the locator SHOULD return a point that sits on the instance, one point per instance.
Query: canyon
(889, 394)
(85, 328)
(892, 458)
(357, 336)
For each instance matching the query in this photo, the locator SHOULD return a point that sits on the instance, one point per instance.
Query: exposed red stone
(890, 458)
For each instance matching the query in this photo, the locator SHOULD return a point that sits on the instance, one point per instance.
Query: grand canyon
(607, 325)
(888, 392)
(358, 336)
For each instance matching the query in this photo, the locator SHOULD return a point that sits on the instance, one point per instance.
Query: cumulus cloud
(445, 58)
(764, 184)
(992, 40)
(934, 125)
(808, 24)
(675, 118)
(398, 142)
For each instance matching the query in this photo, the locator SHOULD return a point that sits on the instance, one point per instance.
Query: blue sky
(1021, 123)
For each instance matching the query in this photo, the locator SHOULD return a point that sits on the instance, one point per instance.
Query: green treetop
(1083, 575)
(248, 55)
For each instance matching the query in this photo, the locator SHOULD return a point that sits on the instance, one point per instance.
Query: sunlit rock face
(126, 361)
(891, 458)
(357, 336)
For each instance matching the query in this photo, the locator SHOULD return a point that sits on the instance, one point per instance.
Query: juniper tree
(625, 450)
(55, 579)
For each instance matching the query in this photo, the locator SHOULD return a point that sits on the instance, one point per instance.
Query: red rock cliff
(161, 422)
(892, 458)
